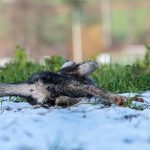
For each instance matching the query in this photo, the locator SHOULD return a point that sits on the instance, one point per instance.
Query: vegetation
(22, 67)
(116, 78)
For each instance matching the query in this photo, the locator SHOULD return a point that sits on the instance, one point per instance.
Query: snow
(82, 127)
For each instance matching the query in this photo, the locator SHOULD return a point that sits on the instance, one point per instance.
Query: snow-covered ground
(83, 127)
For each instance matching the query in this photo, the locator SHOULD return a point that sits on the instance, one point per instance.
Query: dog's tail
(15, 89)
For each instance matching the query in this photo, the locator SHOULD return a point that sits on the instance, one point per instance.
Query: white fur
(67, 64)
(37, 91)
(87, 67)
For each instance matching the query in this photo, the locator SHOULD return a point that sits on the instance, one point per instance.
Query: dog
(66, 87)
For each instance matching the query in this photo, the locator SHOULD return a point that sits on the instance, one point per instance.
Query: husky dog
(64, 88)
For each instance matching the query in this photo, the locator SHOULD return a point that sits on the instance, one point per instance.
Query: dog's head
(83, 69)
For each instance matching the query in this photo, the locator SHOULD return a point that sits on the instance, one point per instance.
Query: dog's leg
(106, 96)
(65, 101)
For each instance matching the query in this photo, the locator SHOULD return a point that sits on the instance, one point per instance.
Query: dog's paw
(137, 99)
(119, 100)
(122, 100)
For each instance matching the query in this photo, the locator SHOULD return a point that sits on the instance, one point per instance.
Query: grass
(116, 78)
(22, 67)
(120, 79)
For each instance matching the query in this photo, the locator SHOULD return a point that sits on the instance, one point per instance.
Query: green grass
(119, 79)
(116, 78)
(21, 67)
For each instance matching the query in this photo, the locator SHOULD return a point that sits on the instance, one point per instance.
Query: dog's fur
(66, 87)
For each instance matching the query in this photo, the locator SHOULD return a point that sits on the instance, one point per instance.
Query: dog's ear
(67, 64)
(83, 69)
(87, 67)
(69, 68)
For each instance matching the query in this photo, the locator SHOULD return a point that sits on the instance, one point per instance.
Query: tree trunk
(76, 35)
(106, 23)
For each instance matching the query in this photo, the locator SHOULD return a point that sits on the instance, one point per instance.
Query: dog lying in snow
(64, 88)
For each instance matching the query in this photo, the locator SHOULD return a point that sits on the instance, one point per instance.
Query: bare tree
(106, 22)
(76, 6)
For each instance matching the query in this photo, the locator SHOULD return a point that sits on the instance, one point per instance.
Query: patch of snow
(82, 127)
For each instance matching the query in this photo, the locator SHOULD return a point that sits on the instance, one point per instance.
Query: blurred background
(75, 29)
